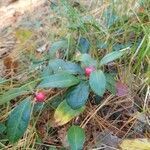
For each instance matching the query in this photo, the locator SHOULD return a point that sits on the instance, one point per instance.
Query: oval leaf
(78, 96)
(111, 57)
(76, 137)
(58, 65)
(64, 113)
(18, 120)
(109, 16)
(84, 45)
(11, 94)
(2, 80)
(110, 83)
(2, 128)
(98, 82)
(60, 80)
(62, 44)
(15, 92)
(87, 60)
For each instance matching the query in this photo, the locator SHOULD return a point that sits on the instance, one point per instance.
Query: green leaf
(52, 148)
(60, 80)
(76, 137)
(73, 68)
(2, 128)
(97, 99)
(78, 96)
(110, 17)
(38, 107)
(118, 46)
(47, 71)
(2, 80)
(111, 57)
(13, 93)
(101, 45)
(87, 60)
(83, 45)
(58, 65)
(55, 101)
(98, 82)
(110, 83)
(64, 113)
(18, 120)
(62, 44)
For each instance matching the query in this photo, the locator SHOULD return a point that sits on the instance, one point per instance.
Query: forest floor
(30, 29)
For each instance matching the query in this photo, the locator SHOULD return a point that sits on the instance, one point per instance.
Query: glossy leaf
(76, 137)
(78, 96)
(53, 148)
(73, 68)
(64, 113)
(38, 107)
(56, 100)
(2, 80)
(62, 44)
(2, 128)
(84, 45)
(102, 45)
(58, 65)
(87, 60)
(110, 83)
(119, 46)
(13, 93)
(109, 16)
(111, 57)
(60, 80)
(18, 120)
(98, 82)
(47, 71)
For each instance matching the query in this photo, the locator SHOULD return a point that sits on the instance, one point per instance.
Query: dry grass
(114, 115)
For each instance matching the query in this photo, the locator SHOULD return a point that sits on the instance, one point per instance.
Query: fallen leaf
(62, 132)
(42, 48)
(121, 89)
(106, 139)
(135, 144)
(10, 64)
(142, 117)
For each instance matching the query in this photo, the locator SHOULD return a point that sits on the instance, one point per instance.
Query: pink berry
(89, 70)
(40, 97)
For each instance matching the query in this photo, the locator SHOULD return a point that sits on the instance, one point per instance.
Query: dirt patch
(11, 11)
(11, 16)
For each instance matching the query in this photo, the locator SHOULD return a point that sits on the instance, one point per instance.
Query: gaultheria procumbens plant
(79, 78)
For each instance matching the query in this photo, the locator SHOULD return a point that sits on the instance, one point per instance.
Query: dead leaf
(107, 140)
(142, 117)
(141, 9)
(135, 144)
(10, 65)
(62, 136)
(122, 89)
(42, 48)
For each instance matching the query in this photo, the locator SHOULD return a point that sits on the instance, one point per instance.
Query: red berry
(40, 97)
(89, 70)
